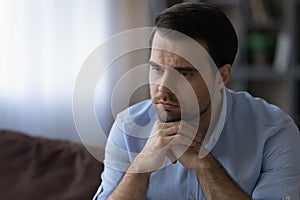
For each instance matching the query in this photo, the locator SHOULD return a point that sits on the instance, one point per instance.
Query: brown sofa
(38, 168)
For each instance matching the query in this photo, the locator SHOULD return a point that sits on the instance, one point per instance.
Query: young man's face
(169, 76)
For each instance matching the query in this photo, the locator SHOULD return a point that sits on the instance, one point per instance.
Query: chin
(167, 116)
(169, 119)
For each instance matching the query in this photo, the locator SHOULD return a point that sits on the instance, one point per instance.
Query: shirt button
(192, 197)
(287, 198)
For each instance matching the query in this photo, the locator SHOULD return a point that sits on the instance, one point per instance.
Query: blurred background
(43, 44)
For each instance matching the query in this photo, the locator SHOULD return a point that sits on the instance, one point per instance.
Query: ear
(225, 72)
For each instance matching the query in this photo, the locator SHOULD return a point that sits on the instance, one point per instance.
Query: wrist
(208, 166)
(143, 164)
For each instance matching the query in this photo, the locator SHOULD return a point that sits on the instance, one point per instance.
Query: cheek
(153, 88)
(203, 94)
(199, 91)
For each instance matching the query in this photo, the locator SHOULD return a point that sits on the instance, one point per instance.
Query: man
(196, 139)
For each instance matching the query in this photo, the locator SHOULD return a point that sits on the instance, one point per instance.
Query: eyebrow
(177, 68)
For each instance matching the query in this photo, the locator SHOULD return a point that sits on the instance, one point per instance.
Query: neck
(210, 118)
(204, 121)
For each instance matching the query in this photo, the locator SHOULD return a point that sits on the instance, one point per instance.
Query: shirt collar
(215, 129)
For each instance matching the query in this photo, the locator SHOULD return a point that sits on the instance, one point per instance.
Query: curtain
(43, 44)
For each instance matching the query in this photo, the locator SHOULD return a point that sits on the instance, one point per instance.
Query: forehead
(168, 58)
(167, 51)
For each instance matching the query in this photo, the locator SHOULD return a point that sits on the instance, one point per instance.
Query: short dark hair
(205, 22)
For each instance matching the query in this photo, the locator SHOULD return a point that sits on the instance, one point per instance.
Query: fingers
(186, 129)
(172, 134)
(171, 131)
(190, 130)
(182, 140)
(161, 136)
(161, 125)
(167, 139)
(165, 129)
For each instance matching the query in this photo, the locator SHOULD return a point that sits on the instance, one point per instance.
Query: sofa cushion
(38, 168)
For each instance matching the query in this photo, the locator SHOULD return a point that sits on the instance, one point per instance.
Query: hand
(190, 158)
(189, 155)
(162, 137)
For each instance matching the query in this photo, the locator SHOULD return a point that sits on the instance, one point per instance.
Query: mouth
(167, 105)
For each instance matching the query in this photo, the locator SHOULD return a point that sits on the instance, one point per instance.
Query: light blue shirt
(259, 147)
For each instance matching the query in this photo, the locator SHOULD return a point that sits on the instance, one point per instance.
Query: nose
(163, 89)
(166, 83)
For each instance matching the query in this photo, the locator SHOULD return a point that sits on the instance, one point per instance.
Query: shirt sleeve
(280, 171)
(117, 160)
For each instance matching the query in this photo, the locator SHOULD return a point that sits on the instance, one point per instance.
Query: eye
(157, 69)
(186, 74)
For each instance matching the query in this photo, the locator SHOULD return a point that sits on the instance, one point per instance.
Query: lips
(167, 105)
